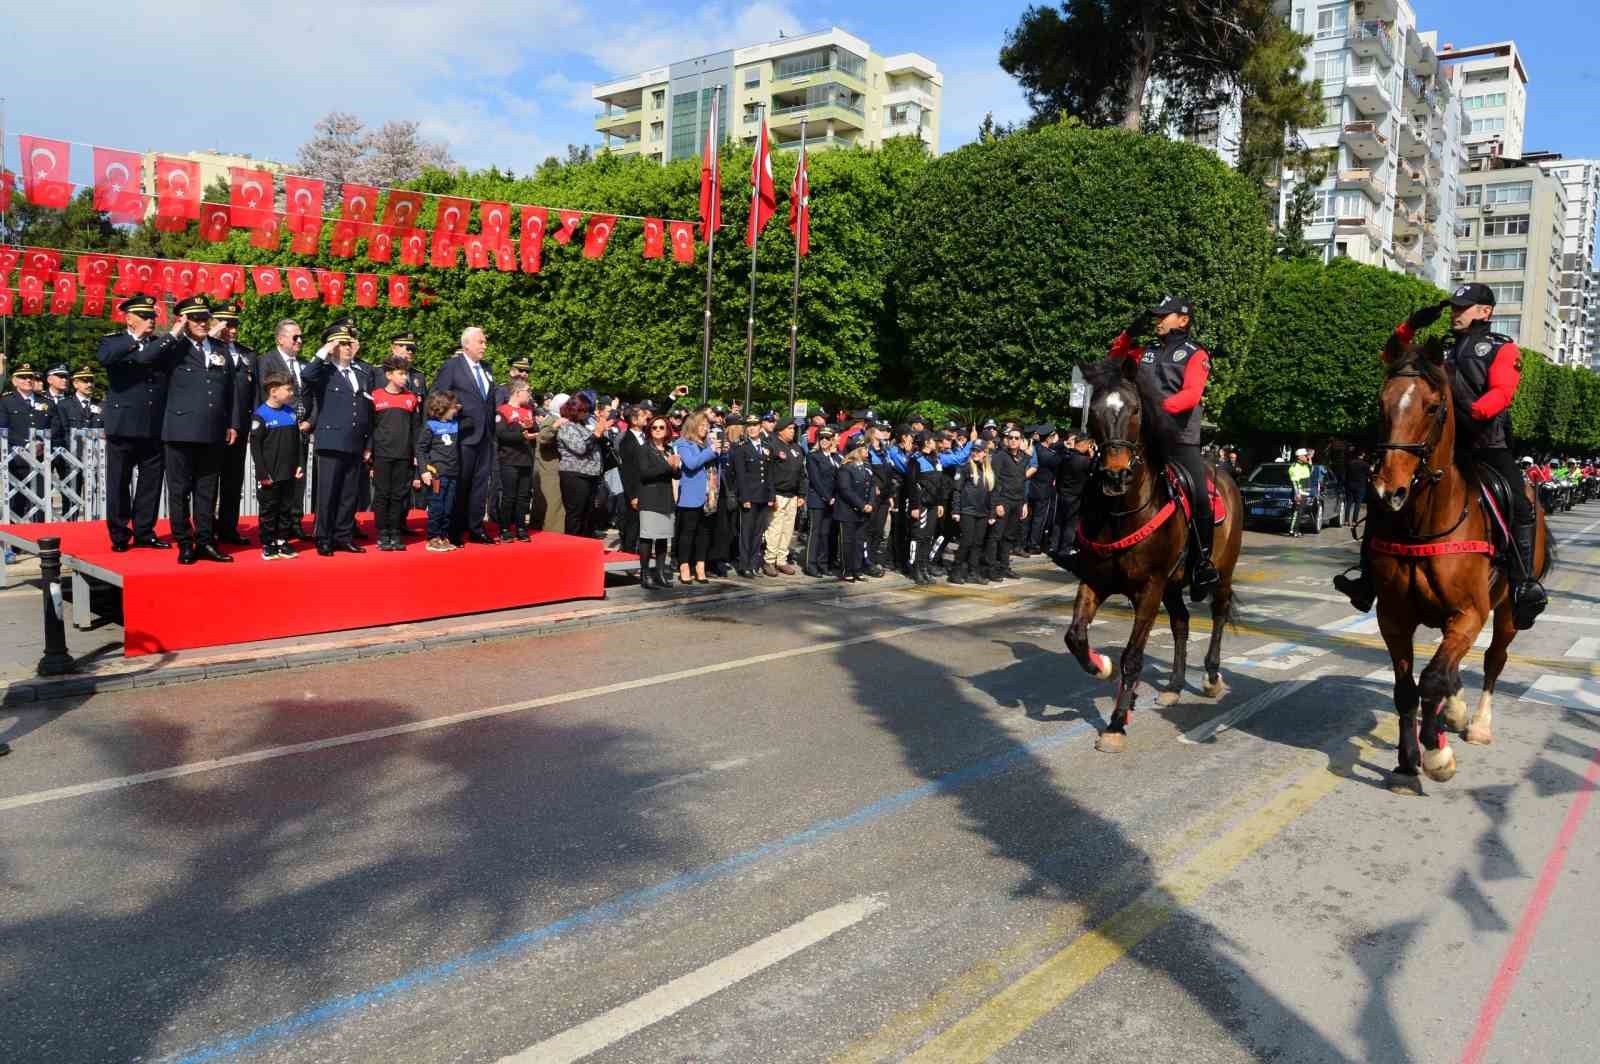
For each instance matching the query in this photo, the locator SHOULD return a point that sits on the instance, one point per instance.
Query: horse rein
(1425, 477)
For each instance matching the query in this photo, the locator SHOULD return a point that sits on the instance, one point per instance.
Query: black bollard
(56, 660)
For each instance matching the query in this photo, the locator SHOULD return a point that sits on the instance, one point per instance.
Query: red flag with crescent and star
(41, 260)
(215, 222)
(269, 234)
(305, 241)
(399, 290)
(302, 202)
(380, 246)
(598, 234)
(477, 246)
(331, 284)
(710, 182)
(116, 185)
(268, 280)
(763, 193)
(5, 191)
(302, 285)
(567, 225)
(45, 166)
(494, 222)
(342, 244)
(177, 194)
(360, 203)
(682, 241)
(445, 248)
(94, 301)
(534, 221)
(451, 217)
(800, 205)
(402, 210)
(92, 270)
(505, 257)
(653, 238)
(366, 289)
(414, 247)
(249, 196)
(5, 300)
(63, 293)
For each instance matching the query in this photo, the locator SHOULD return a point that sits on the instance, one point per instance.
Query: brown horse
(1432, 561)
(1133, 542)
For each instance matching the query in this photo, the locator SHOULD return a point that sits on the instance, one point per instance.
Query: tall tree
(394, 154)
(334, 153)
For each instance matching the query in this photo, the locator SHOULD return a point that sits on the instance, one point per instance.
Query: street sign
(799, 411)
(1080, 390)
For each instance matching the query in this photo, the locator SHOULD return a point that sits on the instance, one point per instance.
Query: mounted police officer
(136, 402)
(1173, 373)
(200, 422)
(1487, 370)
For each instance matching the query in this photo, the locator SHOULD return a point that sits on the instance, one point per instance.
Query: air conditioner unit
(1488, 208)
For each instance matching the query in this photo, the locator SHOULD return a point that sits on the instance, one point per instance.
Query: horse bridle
(1425, 476)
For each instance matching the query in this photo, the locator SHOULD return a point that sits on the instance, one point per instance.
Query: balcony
(1380, 10)
(619, 118)
(835, 111)
(913, 96)
(1370, 40)
(1414, 88)
(1420, 57)
(1413, 141)
(1407, 221)
(1410, 181)
(1367, 181)
(1368, 93)
(1358, 225)
(1364, 140)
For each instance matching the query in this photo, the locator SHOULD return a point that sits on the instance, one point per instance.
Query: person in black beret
(136, 399)
(200, 421)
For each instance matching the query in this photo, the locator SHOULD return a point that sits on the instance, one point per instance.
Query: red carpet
(167, 607)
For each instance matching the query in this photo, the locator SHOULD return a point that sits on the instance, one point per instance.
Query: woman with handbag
(697, 497)
(656, 468)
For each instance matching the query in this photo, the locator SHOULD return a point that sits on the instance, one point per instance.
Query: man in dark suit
(200, 422)
(284, 359)
(340, 409)
(466, 375)
(627, 449)
(756, 499)
(136, 402)
(246, 386)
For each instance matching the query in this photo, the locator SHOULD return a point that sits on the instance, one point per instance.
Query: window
(656, 129)
(1322, 209)
(1471, 197)
(1516, 192)
(1335, 115)
(1491, 99)
(1333, 21)
(1509, 325)
(691, 121)
(1509, 259)
(1465, 227)
(1509, 292)
(1467, 262)
(752, 77)
(1476, 77)
(658, 99)
(1507, 225)
(1488, 125)
(1329, 69)
(1300, 20)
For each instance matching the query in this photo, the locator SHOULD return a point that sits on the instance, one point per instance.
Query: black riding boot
(1204, 579)
(1359, 587)
(1528, 599)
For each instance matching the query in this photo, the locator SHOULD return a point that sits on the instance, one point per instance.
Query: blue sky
(509, 82)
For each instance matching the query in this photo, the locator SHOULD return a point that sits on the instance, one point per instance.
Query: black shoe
(480, 537)
(119, 548)
(152, 542)
(956, 576)
(504, 537)
(874, 571)
(185, 554)
(349, 548)
(1528, 600)
(209, 552)
(283, 550)
(1203, 581)
(1358, 589)
(522, 535)
(325, 549)
(647, 578)
(1011, 574)
(301, 537)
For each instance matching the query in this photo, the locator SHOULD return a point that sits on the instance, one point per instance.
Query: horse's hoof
(1168, 698)
(1454, 713)
(1406, 784)
(1102, 665)
(1214, 688)
(1479, 736)
(1439, 764)
(1110, 742)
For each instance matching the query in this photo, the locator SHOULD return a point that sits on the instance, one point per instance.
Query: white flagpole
(711, 244)
(794, 301)
(750, 319)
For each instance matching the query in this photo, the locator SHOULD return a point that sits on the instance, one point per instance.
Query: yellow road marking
(1030, 998)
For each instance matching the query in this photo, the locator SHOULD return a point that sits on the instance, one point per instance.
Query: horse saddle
(1178, 483)
(1497, 502)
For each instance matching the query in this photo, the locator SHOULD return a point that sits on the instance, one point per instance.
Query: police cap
(228, 312)
(337, 333)
(57, 371)
(1472, 295)
(84, 374)
(1172, 305)
(144, 306)
(196, 307)
(25, 371)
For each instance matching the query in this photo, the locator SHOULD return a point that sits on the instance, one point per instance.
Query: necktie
(350, 379)
(483, 379)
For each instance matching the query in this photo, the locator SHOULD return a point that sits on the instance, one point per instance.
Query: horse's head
(1116, 422)
(1418, 424)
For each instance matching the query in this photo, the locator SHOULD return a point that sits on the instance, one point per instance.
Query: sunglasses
(658, 428)
(296, 339)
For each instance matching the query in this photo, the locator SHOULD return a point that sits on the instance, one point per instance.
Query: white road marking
(700, 774)
(1277, 657)
(1357, 624)
(685, 991)
(1243, 712)
(1587, 648)
(116, 783)
(1580, 533)
(1571, 692)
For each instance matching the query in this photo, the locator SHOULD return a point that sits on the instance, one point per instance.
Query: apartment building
(847, 94)
(1577, 343)
(1511, 235)
(1493, 85)
(214, 166)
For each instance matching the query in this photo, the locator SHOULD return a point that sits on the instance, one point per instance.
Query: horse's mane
(1111, 374)
(1416, 360)
(1103, 375)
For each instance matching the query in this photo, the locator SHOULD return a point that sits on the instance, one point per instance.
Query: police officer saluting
(200, 422)
(244, 362)
(136, 402)
(340, 409)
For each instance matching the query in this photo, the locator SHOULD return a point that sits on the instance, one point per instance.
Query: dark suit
(246, 388)
(627, 460)
(822, 470)
(855, 489)
(477, 442)
(199, 412)
(136, 402)
(755, 492)
(341, 418)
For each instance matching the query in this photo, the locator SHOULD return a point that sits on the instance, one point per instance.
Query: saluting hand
(232, 436)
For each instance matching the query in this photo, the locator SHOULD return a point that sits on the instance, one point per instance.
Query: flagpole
(794, 300)
(711, 246)
(750, 318)
(5, 323)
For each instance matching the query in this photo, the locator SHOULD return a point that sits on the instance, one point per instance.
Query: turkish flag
(331, 285)
(342, 244)
(402, 210)
(250, 196)
(444, 250)
(63, 293)
(682, 241)
(399, 290)
(177, 194)
(800, 205)
(302, 200)
(302, 285)
(534, 221)
(268, 280)
(366, 289)
(305, 241)
(360, 203)
(9, 257)
(494, 220)
(710, 182)
(568, 225)
(414, 247)
(477, 251)
(41, 260)
(44, 171)
(229, 281)
(215, 222)
(452, 216)
(5, 301)
(269, 234)
(598, 235)
(169, 283)
(32, 284)
(203, 277)
(653, 242)
(380, 246)
(763, 191)
(116, 185)
(92, 270)
(149, 279)
(94, 301)
(505, 256)
(5, 191)
(32, 306)
(127, 277)
(162, 317)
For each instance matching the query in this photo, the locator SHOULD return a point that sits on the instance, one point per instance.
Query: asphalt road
(870, 826)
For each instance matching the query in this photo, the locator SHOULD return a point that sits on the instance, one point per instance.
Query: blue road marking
(615, 909)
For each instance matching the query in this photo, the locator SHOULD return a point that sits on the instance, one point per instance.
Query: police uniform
(875, 527)
(755, 493)
(136, 402)
(502, 392)
(58, 424)
(855, 489)
(340, 410)
(200, 411)
(82, 411)
(246, 384)
(24, 415)
(822, 472)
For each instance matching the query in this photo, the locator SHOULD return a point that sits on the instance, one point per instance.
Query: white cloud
(658, 36)
(974, 85)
